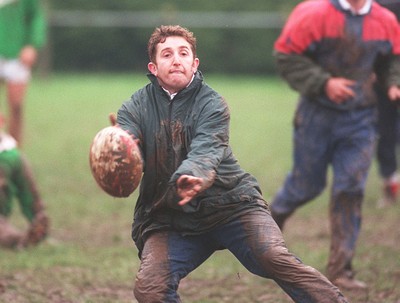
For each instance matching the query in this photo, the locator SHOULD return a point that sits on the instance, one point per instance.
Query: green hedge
(221, 50)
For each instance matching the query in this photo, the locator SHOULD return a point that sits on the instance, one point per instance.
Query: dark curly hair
(161, 33)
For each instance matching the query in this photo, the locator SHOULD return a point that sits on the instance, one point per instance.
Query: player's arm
(302, 73)
(394, 78)
(36, 25)
(207, 149)
(388, 75)
(309, 79)
(128, 118)
(36, 33)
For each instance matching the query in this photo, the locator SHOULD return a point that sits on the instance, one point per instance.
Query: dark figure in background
(388, 129)
(194, 197)
(330, 51)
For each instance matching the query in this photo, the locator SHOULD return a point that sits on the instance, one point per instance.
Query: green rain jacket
(187, 135)
(22, 23)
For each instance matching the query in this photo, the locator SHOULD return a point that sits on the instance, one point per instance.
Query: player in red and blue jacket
(332, 52)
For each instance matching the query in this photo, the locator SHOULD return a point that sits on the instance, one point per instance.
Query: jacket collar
(197, 80)
(344, 5)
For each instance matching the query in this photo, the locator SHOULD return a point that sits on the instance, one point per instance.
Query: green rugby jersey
(22, 22)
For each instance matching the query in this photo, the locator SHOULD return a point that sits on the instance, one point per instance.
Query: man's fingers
(113, 119)
(348, 82)
(184, 201)
(189, 192)
(188, 187)
(340, 89)
(348, 92)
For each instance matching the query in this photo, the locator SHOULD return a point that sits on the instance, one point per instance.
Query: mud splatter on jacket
(322, 40)
(187, 135)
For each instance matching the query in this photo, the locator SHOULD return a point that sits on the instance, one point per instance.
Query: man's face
(175, 65)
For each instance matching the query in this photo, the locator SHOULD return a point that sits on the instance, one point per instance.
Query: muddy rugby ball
(115, 161)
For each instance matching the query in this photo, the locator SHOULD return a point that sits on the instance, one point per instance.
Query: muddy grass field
(89, 256)
(69, 269)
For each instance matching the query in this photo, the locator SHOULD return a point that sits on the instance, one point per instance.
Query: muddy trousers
(345, 222)
(345, 142)
(254, 239)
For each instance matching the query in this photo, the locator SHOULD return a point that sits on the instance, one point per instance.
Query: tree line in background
(238, 49)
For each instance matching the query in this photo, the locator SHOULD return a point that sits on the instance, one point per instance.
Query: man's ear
(152, 68)
(196, 63)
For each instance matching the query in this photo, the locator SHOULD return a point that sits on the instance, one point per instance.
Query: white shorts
(12, 70)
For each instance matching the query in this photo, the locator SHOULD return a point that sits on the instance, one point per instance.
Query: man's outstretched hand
(188, 187)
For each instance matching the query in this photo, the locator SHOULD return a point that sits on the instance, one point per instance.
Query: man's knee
(16, 96)
(154, 279)
(16, 109)
(144, 292)
(154, 289)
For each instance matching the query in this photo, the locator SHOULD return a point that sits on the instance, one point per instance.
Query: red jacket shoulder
(310, 21)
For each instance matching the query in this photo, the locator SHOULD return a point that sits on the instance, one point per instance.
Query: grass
(89, 256)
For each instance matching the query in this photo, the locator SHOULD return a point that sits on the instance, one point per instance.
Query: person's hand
(28, 56)
(339, 89)
(394, 93)
(38, 230)
(188, 187)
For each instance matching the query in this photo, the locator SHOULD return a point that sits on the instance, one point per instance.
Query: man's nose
(176, 59)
